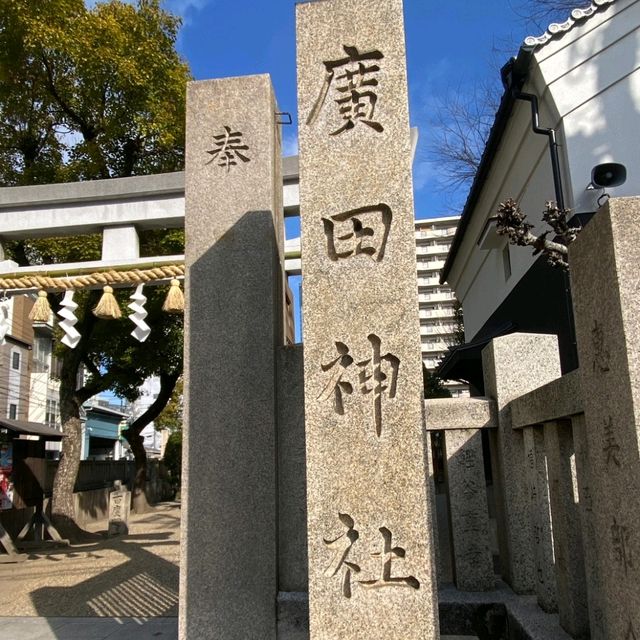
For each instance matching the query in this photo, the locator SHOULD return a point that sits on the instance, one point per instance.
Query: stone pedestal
(371, 557)
(468, 510)
(540, 517)
(512, 366)
(233, 323)
(604, 278)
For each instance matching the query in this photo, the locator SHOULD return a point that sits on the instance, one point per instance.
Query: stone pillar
(591, 570)
(540, 517)
(567, 530)
(604, 280)
(468, 510)
(514, 365)
(292, 489)
(371, 556)
(233, 323)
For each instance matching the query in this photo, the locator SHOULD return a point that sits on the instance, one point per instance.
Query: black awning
(23, 427)
(463, 362)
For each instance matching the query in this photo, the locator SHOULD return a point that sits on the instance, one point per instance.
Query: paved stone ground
(132, 576)
(114, 589)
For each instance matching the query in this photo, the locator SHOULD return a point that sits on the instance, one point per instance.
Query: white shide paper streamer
(67, 324)
(142, 330)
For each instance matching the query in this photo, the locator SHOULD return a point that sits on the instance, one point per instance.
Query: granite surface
(571, 584)
(371, 555)
(540, 517)
(293, 573)
(557, 399)
(469, 511)
(604, 281)
(460, 413)
(512, 366)
(233, 322)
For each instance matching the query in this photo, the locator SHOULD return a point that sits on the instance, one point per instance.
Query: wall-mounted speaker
(608, 174)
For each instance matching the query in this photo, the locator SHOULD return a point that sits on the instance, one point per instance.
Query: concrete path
(33, 628)
(131, 577)
(100, 629)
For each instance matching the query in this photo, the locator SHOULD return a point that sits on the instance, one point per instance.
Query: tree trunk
(139, 502)
(71, 399)
(62, 502)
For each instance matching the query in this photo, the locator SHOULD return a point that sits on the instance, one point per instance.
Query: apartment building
(437, 302)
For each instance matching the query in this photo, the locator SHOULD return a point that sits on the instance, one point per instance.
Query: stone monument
(371, 556)
(604, 281)
(119, 507)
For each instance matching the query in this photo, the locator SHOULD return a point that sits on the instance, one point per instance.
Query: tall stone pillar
(567, 530)
(540, 517)
(604, 280)
(233, 323)
(512, 366)
(468, 510)
(371, 556)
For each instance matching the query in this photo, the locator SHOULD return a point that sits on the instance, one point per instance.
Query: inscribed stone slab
(604, 281)
(233, 323)
(539, 515)
(469, 510)
(119, 507)
(371, 557)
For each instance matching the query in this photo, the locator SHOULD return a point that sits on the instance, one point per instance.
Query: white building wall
(153, 440)
(588, 85)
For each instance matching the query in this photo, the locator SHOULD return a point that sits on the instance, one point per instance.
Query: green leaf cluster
(89, 93)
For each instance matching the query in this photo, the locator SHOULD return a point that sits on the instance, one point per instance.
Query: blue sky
(450, 48)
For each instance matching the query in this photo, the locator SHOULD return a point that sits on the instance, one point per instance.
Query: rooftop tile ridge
(559, 28)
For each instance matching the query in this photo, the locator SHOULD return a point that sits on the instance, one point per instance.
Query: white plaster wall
(594, 79)
(588, 84)
(478, 276)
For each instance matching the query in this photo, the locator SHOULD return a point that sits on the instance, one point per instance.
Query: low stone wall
(92, 502)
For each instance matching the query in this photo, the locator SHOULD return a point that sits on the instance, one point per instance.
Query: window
(13, 411)
(15, 360)
(51, 413)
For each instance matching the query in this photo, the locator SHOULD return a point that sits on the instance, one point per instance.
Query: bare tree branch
(513, 224)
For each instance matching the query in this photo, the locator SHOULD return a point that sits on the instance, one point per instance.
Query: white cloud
(425, 173)
(185, 8)
(289, 144)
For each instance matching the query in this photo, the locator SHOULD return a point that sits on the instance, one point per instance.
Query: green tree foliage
(171, 417)
(433, 386)
(173, 458)
(87, 94)
(458, 321)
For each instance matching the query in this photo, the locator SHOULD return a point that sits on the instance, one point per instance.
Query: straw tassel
(41, 311)
(107, 308)
(175, 298)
